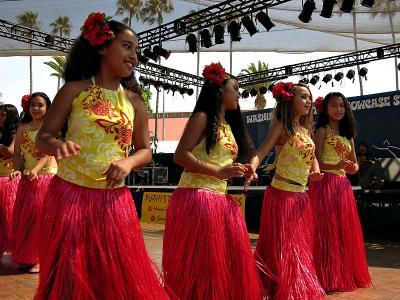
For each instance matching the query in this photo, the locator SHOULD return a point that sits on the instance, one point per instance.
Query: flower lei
(25, 102)
(319, 104)
(215, 73)
(283, 91)
(96, 30)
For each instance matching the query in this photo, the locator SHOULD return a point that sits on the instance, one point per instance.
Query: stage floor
(383, 259)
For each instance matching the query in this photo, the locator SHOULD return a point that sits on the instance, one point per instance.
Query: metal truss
(212, 15)
(320, 65)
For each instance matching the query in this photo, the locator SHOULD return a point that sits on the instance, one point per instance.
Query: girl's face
(230, 95)
(3, 117)
(37, 108)
(120, 57)
(336, 108)
(301, 101)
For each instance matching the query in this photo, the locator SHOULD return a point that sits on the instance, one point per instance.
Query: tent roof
(289, 35)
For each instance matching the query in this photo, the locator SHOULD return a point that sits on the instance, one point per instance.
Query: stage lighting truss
(167, 86)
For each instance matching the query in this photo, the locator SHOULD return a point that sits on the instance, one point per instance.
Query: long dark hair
(347, 125)
(10, 125)
(83, 59)
(26, 116)
(284, 113)
(210, 102)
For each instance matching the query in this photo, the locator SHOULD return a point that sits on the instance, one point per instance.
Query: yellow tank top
(223, 154)
(101, 122)
(335, 149)
(31, 152)
(294, 162)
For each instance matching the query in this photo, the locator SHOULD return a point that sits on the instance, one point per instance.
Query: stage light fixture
(253, 92)
(367, 3)
(160, 51)
(249, 25)
(166, 86)
(327, 8)
(347, 6)
(182, 90)
(380, 53)
(191, 39)
(327, 78)
(205, 38)
(245, 94)
(234, 31)
(363, 72)
(288, 70)
(398, 67)
(271, 87)
(49, 39)
(219, 32)
(265, 20)
(190, 91)
(262, 90)
(150, 54)
(338, 76)
(314, 79)
(350, 74)
(304, 80)
(308, 8)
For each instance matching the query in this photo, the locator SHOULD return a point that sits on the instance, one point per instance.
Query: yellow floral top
(31, 153)
(294, 161)
(101, 122)
(223, 154)
(6, 167)
(335, 149)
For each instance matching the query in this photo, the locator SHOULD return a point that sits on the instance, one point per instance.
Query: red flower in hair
(96, 30)
(319, 104)
(283, 91)
(25, 102)
(215, 73)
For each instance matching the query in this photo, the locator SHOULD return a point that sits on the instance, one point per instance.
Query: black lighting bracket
(321, 65)
(205, 18)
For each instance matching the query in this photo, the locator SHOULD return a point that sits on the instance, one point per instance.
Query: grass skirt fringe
(93, 248)
(8, 191)
(207, 251)
(339, 251)
(285, 246)
(26, 218)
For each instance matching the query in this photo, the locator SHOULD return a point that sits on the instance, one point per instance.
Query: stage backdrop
(377, 118)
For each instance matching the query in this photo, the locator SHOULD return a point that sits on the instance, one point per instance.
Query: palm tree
(29, 19)
(58, 66)
(253, 68)
(61, 26)
(153, 11)
(132, 7)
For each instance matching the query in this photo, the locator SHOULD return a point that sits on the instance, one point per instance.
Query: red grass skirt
(26, 218)
(93, 247)
(8, 191)
(285, 246)
(339, 252)
(207, 251)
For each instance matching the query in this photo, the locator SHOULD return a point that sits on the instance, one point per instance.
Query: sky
(14, 76)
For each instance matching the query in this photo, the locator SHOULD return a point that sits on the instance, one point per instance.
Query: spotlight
(265, 20)
(347, 6)
(205, 38)
(219, 31)
(253, 92)
(380, 53)
(142, 59)
(179, 26)
(158, 50)
(182, 90)
(367, 3)
(147, 52)
(327, 78)
(49, 39)
(327, 8)
(249, 25)
(174, 88)
(262, 90)
(398, 67)
(166, 86)
(234, 31)
(190, 91)
(350, 74)
(304, 80)
(245, 94)
(308, 8)
(338, 76)
(363, 72)
(314, 79)
(191, 39)
(288, 70)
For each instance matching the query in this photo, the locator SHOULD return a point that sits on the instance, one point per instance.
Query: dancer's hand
(32, 175)
(116, 173)
(316, 176)
(351, 167)
(341, 165)
(15, 174)
(66, 149)
(231, 171)
(250, 175)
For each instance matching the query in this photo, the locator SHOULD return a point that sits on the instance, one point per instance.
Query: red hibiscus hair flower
(25, 102)
(283, 91)
(215, 73)
(319, 104)
(96, 30)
